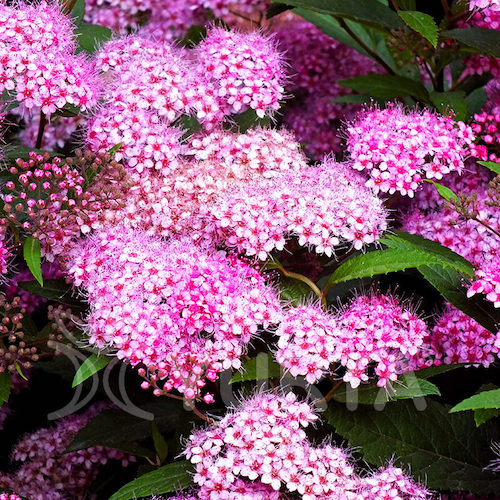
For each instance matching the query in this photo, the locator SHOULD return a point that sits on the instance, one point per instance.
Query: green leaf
(443, 191)
(483, 40)
(443, 450)
(57, 290)
(380, 262)
(449, 283)
(294, 291)
(482, 416)
(447, 102)
(432, 371)
(481, 401)
(172, 477)
(78, 12)
(112, 151)
(422, 24)
(331, 27)
(68, 111)
(107, 428)
(91, 36)
(18, 151)
(91, 365)
(33, 257)
(363, 11)
(493, 166)
(476, 100)
(161, 445)
(5, 386)
(249, 119)
(261, 367)
(353, 99)
(407, 386)
(20, 371)
(448, 258)
(386, 86)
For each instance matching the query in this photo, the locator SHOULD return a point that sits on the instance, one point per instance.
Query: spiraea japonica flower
(263, 443)
(487, 281)
(322, 207)
(484, 4)
(246, 68)
(182, 312)
(457, 338)
(9, 496)
(39, 61)
(399, 149)
(46, 472)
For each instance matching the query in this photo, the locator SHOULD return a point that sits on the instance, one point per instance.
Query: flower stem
(306, 280)
(41, 129)
(330, 393)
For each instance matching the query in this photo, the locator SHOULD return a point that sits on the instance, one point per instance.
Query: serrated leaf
(476, 101)
(484, 415)
(91, 36)
(33, 256)
(380, 262)
(172, 477)
(91, 365)
(485, 399)
(493, 166)
(447, 102)
(449, 283)
(386, 86)
(5, 386)
(421, 23)
(294, 291)
(442, 450)
(161, 445)
(363, 11)
(448, 258)
(407, 386)
(443, 191)
(261, 367)
(249, 119)
(57, 290)
(483, 40)
(432, 371)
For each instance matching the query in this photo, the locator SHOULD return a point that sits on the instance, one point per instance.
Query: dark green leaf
(442, 450)
(481, 401)
(476, 100)
(493, 166)
(443, 191)
(57, 290)
(276, 9)
(437, 370)
(353, 99)
(294, 291)
(421, 23)
(161, 445)
(482, 416)
(363, 11)
(483, 40)
(107, 428)
(5, 385)
(195, 34)
(448, 258)
(68, 111)
(249, 119)
(449, 284)
(91, 365)
(408, 4)
(451, 102)
(33, 256)
(112, 151)
(78, 12)
(380, 262)
(261, 367)
(172, 477)
(407, 387)
(91, 36)
(386, 86)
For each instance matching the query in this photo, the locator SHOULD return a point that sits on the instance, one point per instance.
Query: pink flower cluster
(443, 224)
(47, 472)
(182, 312)
(456, 338)
(486, 126)
(245, 68)
(487, 281)
(5, 250)
(399, 149)
(264, 441)
(38, 60)
(484, 4)
(321, 206)
(9, 496)
(373, 332)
